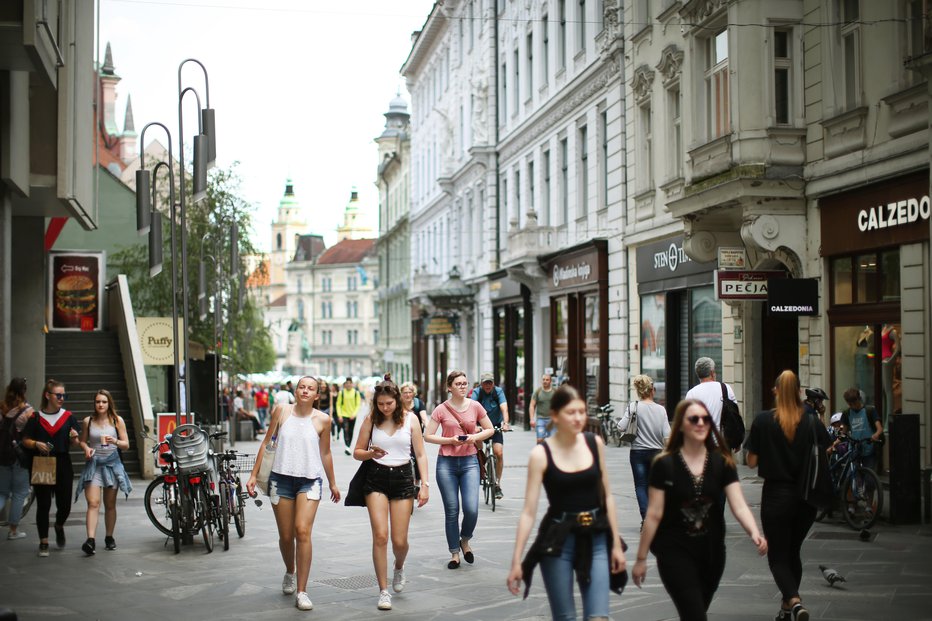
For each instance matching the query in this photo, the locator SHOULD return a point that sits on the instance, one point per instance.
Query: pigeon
(831, 575)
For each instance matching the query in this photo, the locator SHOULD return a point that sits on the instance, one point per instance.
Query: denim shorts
(288, 487)
(542, 431)
(395, 482)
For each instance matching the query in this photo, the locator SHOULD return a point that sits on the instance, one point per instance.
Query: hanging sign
(744, 285)
(793, 297)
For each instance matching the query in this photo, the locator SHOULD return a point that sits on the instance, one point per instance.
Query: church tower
(353, 222)
(288, 225)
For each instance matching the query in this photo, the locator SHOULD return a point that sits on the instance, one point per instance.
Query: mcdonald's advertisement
(75, 290)
(165, 424)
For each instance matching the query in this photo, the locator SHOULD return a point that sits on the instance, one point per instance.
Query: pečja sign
(744, 285)
(793, 297)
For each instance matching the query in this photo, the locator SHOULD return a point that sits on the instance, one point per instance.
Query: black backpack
(8, 438)
(732, 423)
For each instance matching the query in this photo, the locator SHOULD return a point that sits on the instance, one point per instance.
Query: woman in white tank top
(387, 436)
(301, 435)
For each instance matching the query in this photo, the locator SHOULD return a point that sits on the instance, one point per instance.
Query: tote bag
(631, 433)
(816, 484)
(268, 457)
(43, 470)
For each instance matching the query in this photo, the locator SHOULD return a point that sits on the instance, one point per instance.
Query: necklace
(697, 479)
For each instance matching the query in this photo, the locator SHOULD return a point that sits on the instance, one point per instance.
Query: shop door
(510, 358)
(779, 351)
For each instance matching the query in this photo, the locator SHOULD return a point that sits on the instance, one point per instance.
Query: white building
(394, 243)
(517, 153)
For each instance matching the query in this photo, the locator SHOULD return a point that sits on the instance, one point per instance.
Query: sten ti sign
(744, 285)
(667, 259)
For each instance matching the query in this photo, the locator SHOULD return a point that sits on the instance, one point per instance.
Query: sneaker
(43, 550)
(110, 543)
(288, 584)
(89, 546)
(15, 535)
(498, 492)
(800, 613)
(385, 600)
(346, 450)
(784, 615)
(60, 536)
(399, 580)
(303, 602)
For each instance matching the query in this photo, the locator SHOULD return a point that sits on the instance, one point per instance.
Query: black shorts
(395, 482)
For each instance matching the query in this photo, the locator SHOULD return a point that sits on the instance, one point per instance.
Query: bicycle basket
(244, 462)
(190, 446)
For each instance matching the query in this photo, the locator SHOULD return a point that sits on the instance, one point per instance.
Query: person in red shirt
(262, 404)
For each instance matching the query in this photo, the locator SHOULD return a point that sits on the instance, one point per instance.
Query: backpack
(8, 440)
(732, 423)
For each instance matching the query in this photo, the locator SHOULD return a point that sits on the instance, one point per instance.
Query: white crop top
(397, 445)
(297, 451)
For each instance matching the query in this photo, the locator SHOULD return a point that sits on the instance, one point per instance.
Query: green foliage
(242, 338)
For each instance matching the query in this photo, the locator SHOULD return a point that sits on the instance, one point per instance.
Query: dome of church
(398, 105)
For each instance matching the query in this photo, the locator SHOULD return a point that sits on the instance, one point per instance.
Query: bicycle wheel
(157, 507)
(239, 514)
(863, 497)
(205, 519)
(223, 513)
(174, 511)
(603, 433)
(490, 477)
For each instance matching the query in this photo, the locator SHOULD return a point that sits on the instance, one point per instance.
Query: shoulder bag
(355, 496)
(617, 581)
(630, 433)
(268, 456)
(43, 470)
(815, 484)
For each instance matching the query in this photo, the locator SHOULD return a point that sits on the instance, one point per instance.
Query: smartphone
(461, 438)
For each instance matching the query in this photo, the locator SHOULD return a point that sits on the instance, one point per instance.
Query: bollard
(927, 494)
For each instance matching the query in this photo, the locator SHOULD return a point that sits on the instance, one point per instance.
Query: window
(504, 106)
(676, 133)
(782, 77)
(278, 241)
(645, 144)
(564, 181)
(545, 199)
(349, 337)
(504, 210)
(599, 15)
(300, 284)
(851, 52)
(867, 278)
(351, 283)
(530, 185)
(517, 206)
(349, 309)
(561, 33)
(545, 49)
(583, 208)
(355, 309)
(914, 29)
(515, 87)
(581, 26)
(653, 341)
(603, 159)
(300, 310)
(530, 65)
(717, 87)
(472, 31)
(375, 335)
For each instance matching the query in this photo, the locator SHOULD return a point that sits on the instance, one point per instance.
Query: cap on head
(486, 377)
(836, 418)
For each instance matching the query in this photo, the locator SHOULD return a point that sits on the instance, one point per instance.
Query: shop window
(842, 273)
(705, 326)
(559, 308)
(591, 353)
(866, 278)
(653, 342)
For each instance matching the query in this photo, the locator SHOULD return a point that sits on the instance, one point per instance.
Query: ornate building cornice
(671, 64)
(697, 11)
(641, 83)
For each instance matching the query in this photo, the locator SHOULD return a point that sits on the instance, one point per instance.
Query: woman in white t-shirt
(387, 436)
(301, 434)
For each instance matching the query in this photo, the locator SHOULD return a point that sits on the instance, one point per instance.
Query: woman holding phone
(103, 434)
(389, 487)
(462, 422)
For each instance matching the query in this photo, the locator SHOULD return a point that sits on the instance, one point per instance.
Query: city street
(888, 577)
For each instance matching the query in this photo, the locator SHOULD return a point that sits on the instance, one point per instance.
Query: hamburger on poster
(75, 295)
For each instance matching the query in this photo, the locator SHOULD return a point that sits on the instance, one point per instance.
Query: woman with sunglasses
(102, 438)
(462, 422)
(387, 437)
(14, 476)
(301, 434)
(778, 443)
(51, 432)
(579, 533)
(684, 528)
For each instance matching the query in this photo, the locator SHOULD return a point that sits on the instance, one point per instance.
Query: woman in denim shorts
(301, 435)
(387, 436)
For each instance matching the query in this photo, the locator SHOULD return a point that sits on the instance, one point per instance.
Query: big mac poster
(75, 290)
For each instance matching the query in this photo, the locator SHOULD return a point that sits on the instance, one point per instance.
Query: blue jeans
(459, 477)
(541, 427)
(558, 580)
(14, 481)
(640, 467)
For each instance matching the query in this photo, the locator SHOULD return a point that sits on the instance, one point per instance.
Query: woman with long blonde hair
(778, 445)
(684, 527)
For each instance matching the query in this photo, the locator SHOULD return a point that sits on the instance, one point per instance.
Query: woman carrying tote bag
(653, 429)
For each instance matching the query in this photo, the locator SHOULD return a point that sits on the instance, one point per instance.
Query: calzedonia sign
(793, 297)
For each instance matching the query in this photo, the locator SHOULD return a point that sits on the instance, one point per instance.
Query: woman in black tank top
(579, 533)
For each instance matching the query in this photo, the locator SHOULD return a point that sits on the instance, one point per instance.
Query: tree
(243, 340)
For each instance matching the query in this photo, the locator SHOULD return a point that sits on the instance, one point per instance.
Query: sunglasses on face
(59, 395)
(695, 419)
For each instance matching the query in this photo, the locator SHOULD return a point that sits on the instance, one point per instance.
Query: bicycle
(190, 448)
(162, 499)
(857, 488)
(231, 497)
(488, 462)
(608, 425)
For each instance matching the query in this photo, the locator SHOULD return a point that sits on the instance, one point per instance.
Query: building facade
(394, 242)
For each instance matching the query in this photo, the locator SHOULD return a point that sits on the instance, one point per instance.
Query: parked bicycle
(608, 425)
(489, 472)
(162, 499)
(858, 490)
(231, 495)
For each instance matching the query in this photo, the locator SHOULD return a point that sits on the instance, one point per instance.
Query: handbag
(268, 456)
(355, 496)
(43, 470)
(630, 434)
(816, 484)
(617, 582)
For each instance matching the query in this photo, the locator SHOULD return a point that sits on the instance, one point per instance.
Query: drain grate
(842, 536)
(351, 583)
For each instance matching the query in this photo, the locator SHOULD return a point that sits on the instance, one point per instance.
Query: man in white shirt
(283, 397)
(709, 390)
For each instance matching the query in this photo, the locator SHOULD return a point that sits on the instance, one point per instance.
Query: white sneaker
(399, 581)
(288, 584)
(303, 602)
(17, 535)
(385, 600)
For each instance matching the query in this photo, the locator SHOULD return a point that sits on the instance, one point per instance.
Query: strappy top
(572, 491)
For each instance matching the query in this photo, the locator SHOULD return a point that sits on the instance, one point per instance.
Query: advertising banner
(793, 296)
(76, 288)
(155, 339)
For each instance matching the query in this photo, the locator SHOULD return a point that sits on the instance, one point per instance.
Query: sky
(299, 88)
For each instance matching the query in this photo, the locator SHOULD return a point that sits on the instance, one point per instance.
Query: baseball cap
(836, 418)
(486, 377)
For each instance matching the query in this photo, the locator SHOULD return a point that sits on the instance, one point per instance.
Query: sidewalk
(888, 577)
